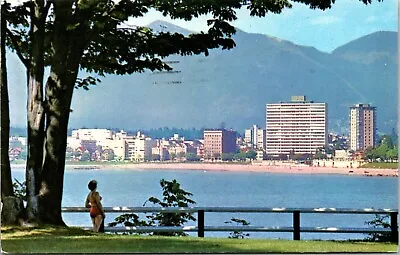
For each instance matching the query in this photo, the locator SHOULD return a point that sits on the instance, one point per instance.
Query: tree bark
(68, 48)
(35, 108)
(12, 212)
(12, 208)
(6, 180)
(58, 97)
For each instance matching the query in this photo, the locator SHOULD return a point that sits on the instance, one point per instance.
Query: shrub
(238, 234)
(173, 196)
(380, 221)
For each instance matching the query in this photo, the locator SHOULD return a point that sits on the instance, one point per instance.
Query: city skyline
(252, 127)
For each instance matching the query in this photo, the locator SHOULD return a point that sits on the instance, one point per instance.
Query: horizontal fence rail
(296, 228)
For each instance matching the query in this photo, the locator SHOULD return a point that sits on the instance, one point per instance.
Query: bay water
(124, 187)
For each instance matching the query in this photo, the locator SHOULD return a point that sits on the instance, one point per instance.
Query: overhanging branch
(17, 48)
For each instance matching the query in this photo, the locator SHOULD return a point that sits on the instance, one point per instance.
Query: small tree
(192, 157)
(238, 234)
(216, 155)
(19, 189)
(173, 196)
(181, 155)
(172, 156)
(241, 156)
(227, 156)
(85, 156)
(380, 221)
(251, 154)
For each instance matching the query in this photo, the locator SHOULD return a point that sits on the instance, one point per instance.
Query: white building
(298, 126)
(248, 135)
(118, 146)
(120, 135)
(139, 148)
(92, 134)
(363, 130)
(255, 137)
(73, 142)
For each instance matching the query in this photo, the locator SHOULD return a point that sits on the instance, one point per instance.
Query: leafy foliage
(173, 196)
(241, 156)
(380, 221)
(387, 150)
(238, 234)
(251, 154)
(227, 156)
(192, 157)
(20, 189)
(129, 220)
(111, 46)
(86, 82)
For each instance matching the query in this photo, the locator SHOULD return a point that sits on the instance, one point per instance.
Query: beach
(270, 167)
(251, 167)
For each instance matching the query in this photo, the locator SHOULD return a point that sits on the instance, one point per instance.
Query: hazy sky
(324, 30)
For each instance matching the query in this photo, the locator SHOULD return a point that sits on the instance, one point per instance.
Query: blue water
(133, 188)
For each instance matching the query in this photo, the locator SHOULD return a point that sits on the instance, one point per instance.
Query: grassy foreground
(74, 240)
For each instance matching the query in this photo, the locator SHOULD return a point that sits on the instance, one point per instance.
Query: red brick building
(218, 141)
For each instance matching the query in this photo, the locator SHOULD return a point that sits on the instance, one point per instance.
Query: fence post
(296, 225)
(393, 226)
(200, 223)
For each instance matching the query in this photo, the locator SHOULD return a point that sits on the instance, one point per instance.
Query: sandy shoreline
(255, 167)
(297, 169)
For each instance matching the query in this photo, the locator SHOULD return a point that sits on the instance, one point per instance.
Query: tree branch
(47, 7)
(14, 41)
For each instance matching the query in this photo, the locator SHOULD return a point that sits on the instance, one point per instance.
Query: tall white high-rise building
(363, 130)
(298, 127)
(255, 137)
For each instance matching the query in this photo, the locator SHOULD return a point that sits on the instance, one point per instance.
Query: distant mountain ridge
(233, 87)
(378, 46)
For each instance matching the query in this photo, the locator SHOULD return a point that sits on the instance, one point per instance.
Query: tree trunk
(68, 49)
(35, 108)
(12, 208)
(6, 180)
(12, 211)
(58, 98)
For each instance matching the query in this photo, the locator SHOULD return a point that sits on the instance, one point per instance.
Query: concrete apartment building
(139, 147)
(363, 129)
(255, 137)
(218, 141)
(298, 126)
(117, 145)
(102, 137)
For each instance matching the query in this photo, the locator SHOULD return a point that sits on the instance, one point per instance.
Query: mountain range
(232, 87)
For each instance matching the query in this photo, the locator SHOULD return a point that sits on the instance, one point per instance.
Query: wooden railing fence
(295, 228)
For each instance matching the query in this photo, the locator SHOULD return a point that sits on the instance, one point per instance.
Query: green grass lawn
(74, 240)
(384, 165)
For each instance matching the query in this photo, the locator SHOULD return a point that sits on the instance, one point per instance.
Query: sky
(325, 30)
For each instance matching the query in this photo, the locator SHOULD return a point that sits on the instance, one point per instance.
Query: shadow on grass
(76, 240)
(43, 231)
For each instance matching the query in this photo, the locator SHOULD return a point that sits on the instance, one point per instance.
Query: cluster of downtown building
(298, 126)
